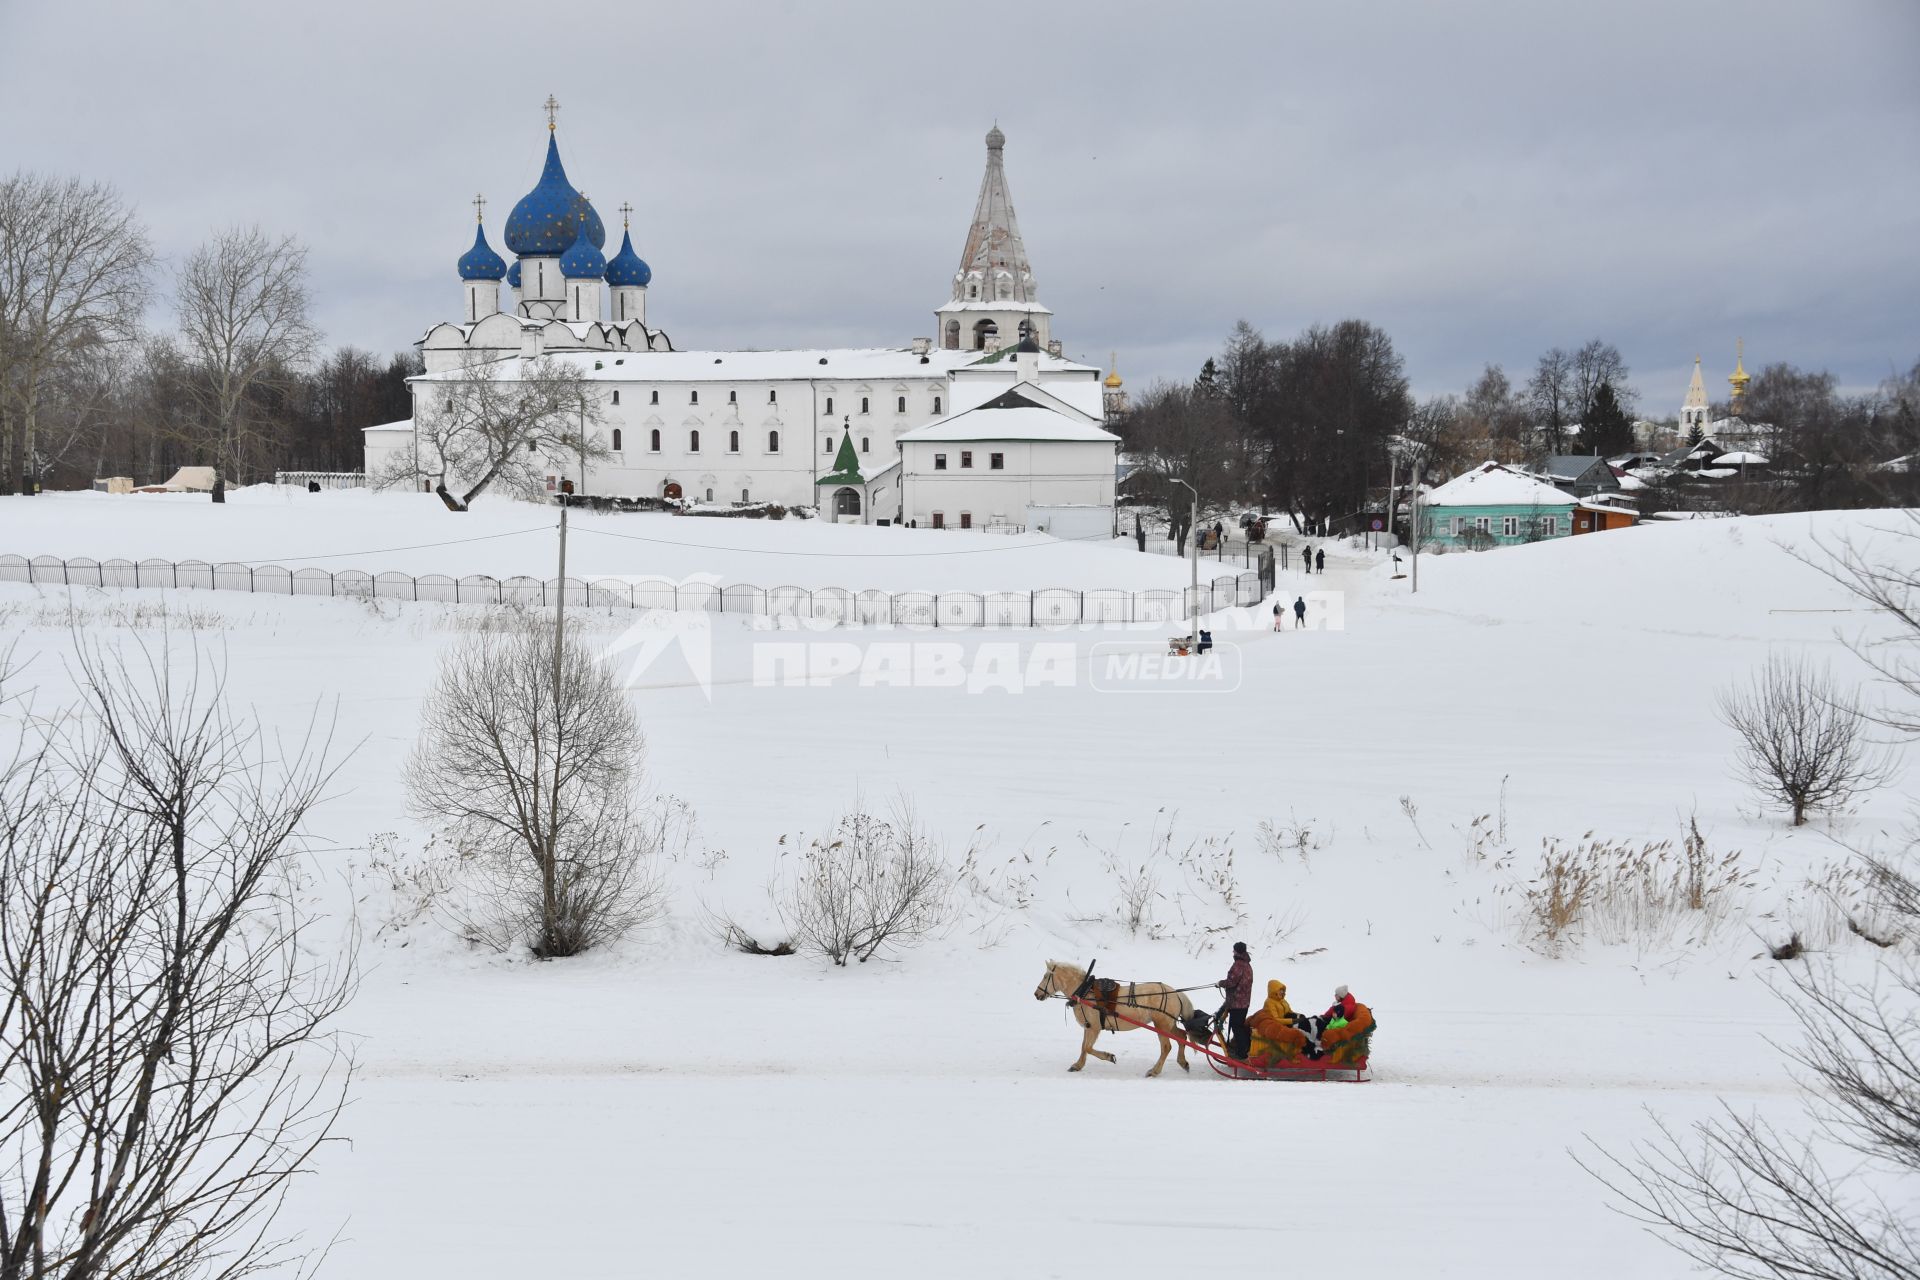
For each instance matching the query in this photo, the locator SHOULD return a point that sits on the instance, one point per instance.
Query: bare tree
(1803, 740)
(1492, 422)
(1743, 1199)
(1881, 568)
(166, 1063)
(531, 764)
(1551, 398)
(1180, 433)
(75, 270)
(874, 882)
(244, 324)
(1597, 364)
(507, 422)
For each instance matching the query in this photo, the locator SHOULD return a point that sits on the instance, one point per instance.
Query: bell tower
(995, 302)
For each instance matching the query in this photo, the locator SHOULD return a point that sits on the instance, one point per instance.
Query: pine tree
(1607, 430)
(1208, 383)
(1695, 435)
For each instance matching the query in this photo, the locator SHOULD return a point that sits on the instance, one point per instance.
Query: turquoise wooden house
(1494, 506)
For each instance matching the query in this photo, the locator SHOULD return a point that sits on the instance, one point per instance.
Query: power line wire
(380, 551)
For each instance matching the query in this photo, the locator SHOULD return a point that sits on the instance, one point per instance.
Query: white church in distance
(983, 424)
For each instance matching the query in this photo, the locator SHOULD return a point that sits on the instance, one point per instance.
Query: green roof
(846, 465)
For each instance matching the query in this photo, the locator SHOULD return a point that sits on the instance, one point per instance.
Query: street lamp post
(1193, 549)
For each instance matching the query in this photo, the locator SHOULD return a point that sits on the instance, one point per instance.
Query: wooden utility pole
(1413, 518)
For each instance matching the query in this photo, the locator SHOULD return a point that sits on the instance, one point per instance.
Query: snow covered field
(674, 1108)
(414, 533)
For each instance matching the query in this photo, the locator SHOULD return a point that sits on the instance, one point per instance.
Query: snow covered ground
(414, 533)
(673, 1108)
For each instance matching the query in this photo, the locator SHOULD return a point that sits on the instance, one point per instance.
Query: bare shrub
(532, 767)
(166, 1061)
(1292, 837)
(1803, 741)
(1614, 892)
(874, 882)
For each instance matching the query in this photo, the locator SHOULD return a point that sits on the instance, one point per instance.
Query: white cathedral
(984, 424)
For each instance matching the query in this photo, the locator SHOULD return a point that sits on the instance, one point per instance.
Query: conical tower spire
(1693, 410)
(994, 265)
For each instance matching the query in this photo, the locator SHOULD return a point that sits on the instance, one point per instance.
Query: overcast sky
(1482, 180)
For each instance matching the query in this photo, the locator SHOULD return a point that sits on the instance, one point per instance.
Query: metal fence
(325, 479)
(1047, 607)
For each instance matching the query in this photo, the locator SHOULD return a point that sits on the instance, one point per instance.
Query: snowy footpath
(1362, 806)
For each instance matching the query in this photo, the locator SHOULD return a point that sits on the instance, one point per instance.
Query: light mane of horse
(1066, 977)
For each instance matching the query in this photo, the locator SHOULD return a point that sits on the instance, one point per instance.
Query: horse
(1160, 1006)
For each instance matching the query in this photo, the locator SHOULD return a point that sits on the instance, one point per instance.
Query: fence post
(64, 580)
(936, 611)
(330, 584)
(175, 564)
(416, 590)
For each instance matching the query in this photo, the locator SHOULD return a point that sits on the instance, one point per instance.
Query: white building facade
(736, 426)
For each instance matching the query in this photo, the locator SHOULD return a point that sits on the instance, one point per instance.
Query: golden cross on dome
(553, 111)
(479, 206)
(626, 215)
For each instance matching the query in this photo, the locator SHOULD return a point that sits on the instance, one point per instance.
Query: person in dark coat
(1277, 615)
(1320, 561)
(1300, 611)
(1238, 984)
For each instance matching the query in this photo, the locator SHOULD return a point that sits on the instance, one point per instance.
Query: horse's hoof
(1074, 1067)
(1185, 1067)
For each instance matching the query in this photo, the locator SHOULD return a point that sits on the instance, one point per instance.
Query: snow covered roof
(1741, 459)
(852, 364)
(1569, 466)
(1011, 417)
(1492, 485)
(405, 424)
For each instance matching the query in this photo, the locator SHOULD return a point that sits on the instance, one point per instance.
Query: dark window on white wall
(656, 398)
(693, 442)
(865, 442)
(773, 397)
(939, 462)
(863, 405)
(966, 457)
(997, 461)
(733, 442)
(901, 407)
(936, 405)
(653, 442)
(694, 398)
(733, 397)
(616, 397)
(829, 406)
(616, 439)
(773, 442)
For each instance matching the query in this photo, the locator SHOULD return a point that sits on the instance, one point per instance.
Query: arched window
(616, 397)
(773, 396)
(826, 446)
(773, 442)
(733, 442)
(901, 407)
(953, 335)
(693, 442)
(733, 397)
(864, 405)
(656, 396)
(983, 331)
(865, 444)
(654, 442)
(616, 439)
(745, 496)
(695, 398)
(936, 406)
(709, 495)
(829, 406)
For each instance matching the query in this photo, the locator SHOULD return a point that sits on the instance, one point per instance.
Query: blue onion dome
(513, 275)
(583, 261)
(551, 216)
(481, 262)
(627, 267)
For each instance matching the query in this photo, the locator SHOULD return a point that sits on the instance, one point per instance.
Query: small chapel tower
(628, 275)
(1739, 378)
(1113, 394)
(481, 270)
(995, 301)
(1693, 411)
